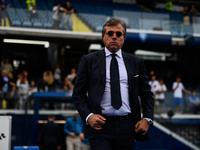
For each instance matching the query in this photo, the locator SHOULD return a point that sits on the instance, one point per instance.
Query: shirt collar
(108, 53)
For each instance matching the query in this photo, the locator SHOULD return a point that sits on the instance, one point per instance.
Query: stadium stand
(94, 13)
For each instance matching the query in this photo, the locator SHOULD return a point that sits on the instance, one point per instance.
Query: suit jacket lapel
(101, 62)
(129, 65)
(130, 72)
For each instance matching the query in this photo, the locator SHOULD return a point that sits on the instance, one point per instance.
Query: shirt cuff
(87, 118)
(148, 119)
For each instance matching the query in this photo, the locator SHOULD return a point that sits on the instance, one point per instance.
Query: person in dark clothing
(4, 87)
(51, 85)
(3, 11)
(41, 82)
(194, 12)
(49, 138)
(34, 13)
(68, 9)
(11, 97)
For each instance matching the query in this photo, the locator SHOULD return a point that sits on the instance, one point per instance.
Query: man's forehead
(118, 26)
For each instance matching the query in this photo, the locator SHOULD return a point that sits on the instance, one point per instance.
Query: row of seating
(95, 13)
(21, 17)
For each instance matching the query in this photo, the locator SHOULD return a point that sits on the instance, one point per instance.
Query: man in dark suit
(113, 80)
(50, 135)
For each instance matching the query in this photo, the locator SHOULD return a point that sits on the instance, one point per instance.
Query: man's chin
(113, 49)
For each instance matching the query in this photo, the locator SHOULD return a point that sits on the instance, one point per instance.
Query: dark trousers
(116, 134)
(50, 146)
(56, 24)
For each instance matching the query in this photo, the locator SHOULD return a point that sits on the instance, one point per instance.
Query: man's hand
(72, 134)
(142, 126)
(96, 121)
(81, 136)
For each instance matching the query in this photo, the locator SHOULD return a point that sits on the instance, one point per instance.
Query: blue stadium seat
(37, 24)
(16, 22)
(27, 23)
(48, 24)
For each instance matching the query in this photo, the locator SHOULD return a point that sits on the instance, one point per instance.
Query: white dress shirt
(106, 106)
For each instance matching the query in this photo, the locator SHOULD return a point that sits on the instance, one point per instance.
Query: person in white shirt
(178, 95)
(160, 97)
(23, 92)
(57, 73)
(57, 15)
(31, 91)
(154, 84)
(72, 75)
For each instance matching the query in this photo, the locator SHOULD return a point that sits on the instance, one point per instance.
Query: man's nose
(114, 35)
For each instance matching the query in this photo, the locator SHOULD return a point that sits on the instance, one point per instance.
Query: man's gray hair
(112, 22)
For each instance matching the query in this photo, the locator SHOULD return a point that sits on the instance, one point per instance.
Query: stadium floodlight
(151, 55)
(21, 41)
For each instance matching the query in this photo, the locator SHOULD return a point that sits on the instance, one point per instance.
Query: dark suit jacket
(50, 134)
(91, 78)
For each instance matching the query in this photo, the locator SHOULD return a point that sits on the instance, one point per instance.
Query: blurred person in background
(85, 144)
(11, 97)
(19, 78)
(3, 11)
(178, 94)
(32, 88)
(25, 75)
(22, 76)
(68, 9)
(64, 70)
(23, 88)
(195, 102)
(51, 85)
(8, 90)
(41, 82)
(194, 12)
(4, 87)
(57, 15)
(57, 73)
(30, 4)
(70, 129)
(67, 85)
(160, 97)
(186, 18)
(34, 13)
(7, 66)
(154, 84)
(72, 75)
(169, 5)
(40, 86)
(50, 135)
(30, 100)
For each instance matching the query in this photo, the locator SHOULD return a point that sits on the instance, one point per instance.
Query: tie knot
(113, 55)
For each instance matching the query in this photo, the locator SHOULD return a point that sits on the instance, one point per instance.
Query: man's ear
(103, 37)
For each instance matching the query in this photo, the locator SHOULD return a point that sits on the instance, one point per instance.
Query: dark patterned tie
(116, 101)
